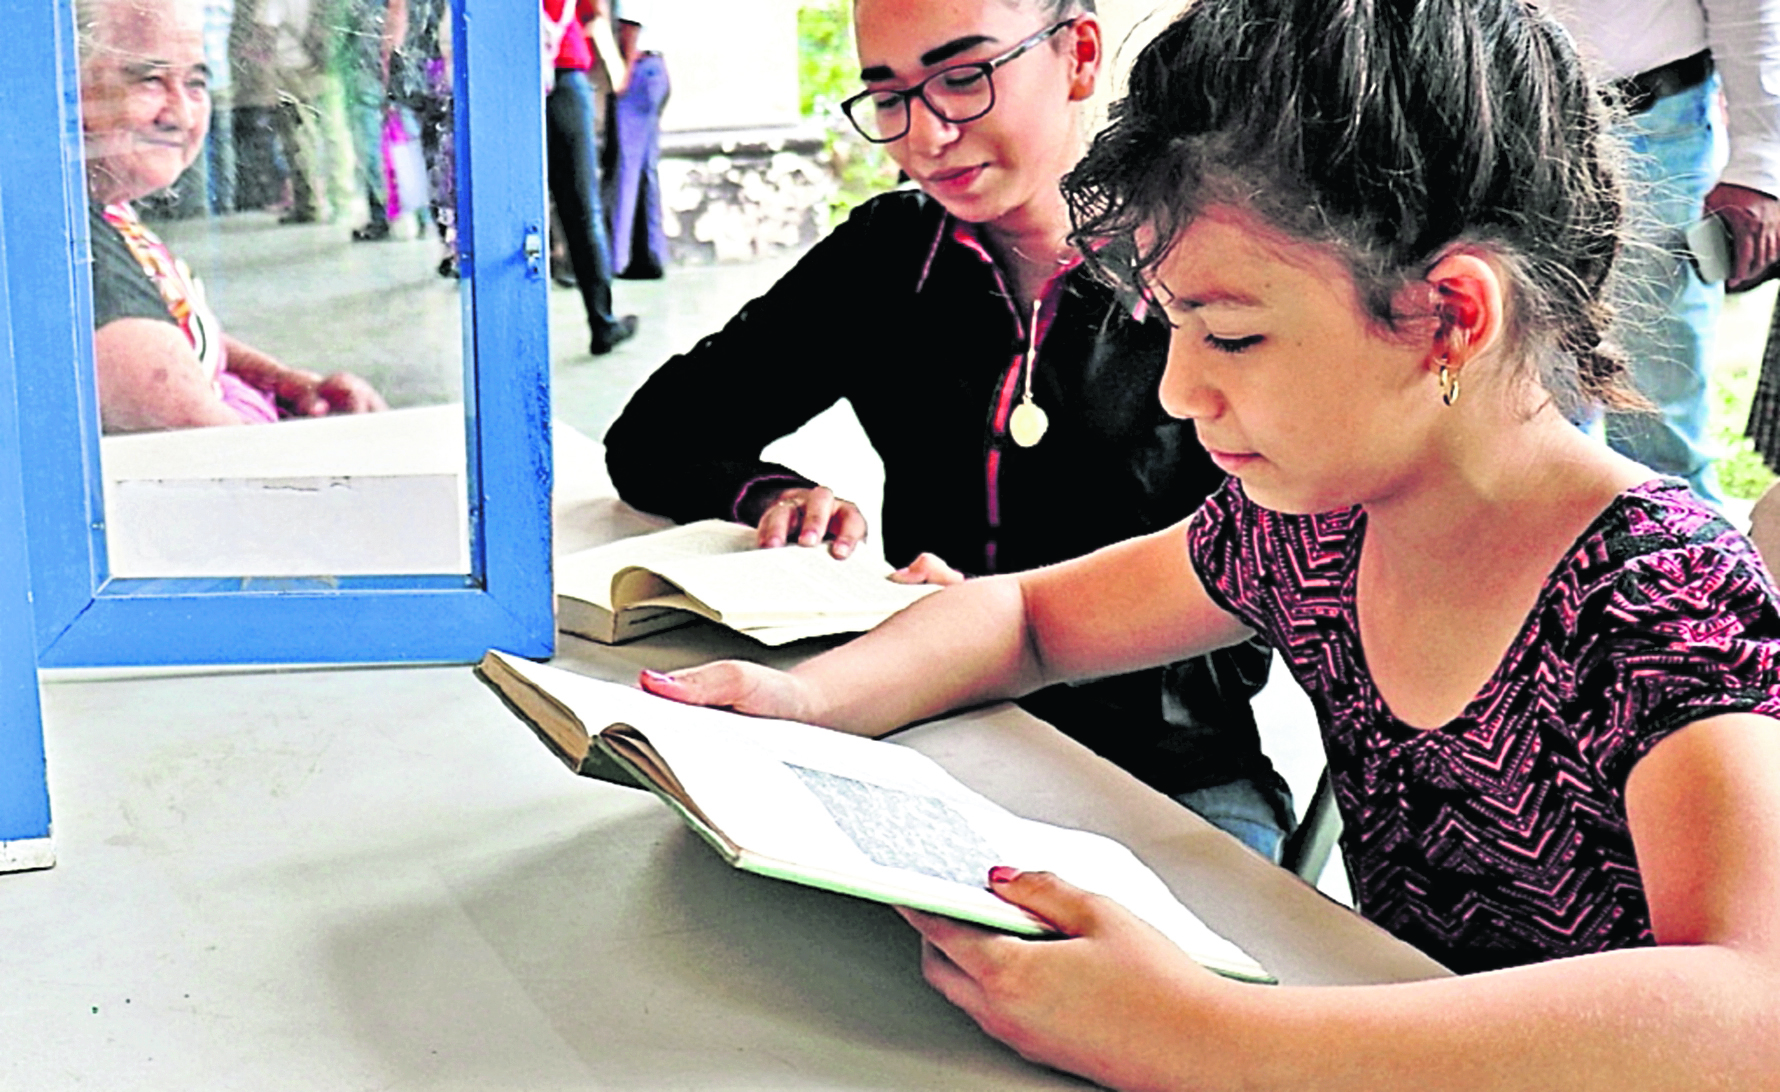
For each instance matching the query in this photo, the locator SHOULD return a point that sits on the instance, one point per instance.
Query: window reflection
(272, 217)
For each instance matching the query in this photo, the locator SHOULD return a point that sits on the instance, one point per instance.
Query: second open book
(859, 816)
(712, 569)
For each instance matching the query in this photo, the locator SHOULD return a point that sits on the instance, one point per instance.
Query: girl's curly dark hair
(1387, 129)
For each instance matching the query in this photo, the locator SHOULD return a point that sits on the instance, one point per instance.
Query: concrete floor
(382, 310)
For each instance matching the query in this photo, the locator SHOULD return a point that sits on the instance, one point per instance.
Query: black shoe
(448, 267)
(640, 272)
(374, 232)
(622, 331)
(296, 217)
(565, 278)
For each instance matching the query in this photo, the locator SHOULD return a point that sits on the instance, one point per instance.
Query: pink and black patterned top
(1501, 838)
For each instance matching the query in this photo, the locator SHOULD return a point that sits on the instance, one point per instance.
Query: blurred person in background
(420, 81)
(367, 33)
(572, 152)
(633, 153)
(1700, 82)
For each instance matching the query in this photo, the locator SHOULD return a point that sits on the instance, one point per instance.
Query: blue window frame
(24, 792)
(86, 617)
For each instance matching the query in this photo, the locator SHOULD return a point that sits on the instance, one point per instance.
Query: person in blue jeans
(1669, 316)
(361, 53)
(1672, 65)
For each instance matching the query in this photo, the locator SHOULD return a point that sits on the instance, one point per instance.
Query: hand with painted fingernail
(1110, 998)
(735, 684)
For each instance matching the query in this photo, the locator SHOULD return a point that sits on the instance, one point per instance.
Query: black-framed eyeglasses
(961, 93)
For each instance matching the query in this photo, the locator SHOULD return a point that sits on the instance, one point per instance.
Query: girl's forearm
(1134, 604)
(962, 646)
(1668, 1018)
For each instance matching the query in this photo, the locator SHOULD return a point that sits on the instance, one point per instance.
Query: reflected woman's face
(145, 97)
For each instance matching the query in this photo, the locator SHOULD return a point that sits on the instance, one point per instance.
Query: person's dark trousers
(572, 147)
(259, 176)
(289, 120)
(438, 146)
(220, 151)
(638, 235)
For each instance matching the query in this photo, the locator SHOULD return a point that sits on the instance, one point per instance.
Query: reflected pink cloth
(252, 405)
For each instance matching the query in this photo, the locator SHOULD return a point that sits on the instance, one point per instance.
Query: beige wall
(1127, 25)
(733, 62)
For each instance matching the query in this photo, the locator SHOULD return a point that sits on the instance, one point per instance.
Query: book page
(587, 574)
(826, 625)
(790, 584)
(686, 608)
(872, 818)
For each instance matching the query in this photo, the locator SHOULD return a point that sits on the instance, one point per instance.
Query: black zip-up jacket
(911, 324)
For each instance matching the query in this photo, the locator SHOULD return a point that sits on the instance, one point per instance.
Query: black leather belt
(1641, 92)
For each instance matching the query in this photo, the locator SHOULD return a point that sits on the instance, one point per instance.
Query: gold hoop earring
(1449, 384)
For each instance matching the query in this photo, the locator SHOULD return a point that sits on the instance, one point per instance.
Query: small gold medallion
(1027, 423)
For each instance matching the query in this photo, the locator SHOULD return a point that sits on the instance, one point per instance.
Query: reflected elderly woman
(163, 361)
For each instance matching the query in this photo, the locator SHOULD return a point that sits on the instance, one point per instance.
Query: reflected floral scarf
(179, 288)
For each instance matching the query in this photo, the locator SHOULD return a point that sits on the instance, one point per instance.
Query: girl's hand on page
(734, 684)
(1112, 1000)
(927, 569)
(808, 516)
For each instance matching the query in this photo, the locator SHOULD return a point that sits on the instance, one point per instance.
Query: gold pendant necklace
(1027, 423)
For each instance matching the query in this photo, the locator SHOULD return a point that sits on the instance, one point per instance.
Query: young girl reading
(1547, 680)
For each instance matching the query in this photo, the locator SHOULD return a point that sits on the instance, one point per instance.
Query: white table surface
(356, 494)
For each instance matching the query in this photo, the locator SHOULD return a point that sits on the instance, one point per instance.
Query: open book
(835, 811)
(713, 569)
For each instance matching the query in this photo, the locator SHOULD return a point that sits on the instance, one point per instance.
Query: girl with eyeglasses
(1007, 443)
(1547, 678)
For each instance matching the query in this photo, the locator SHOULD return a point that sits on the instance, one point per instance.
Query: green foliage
(824, 55)
(1741, 472)
(827, 72)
